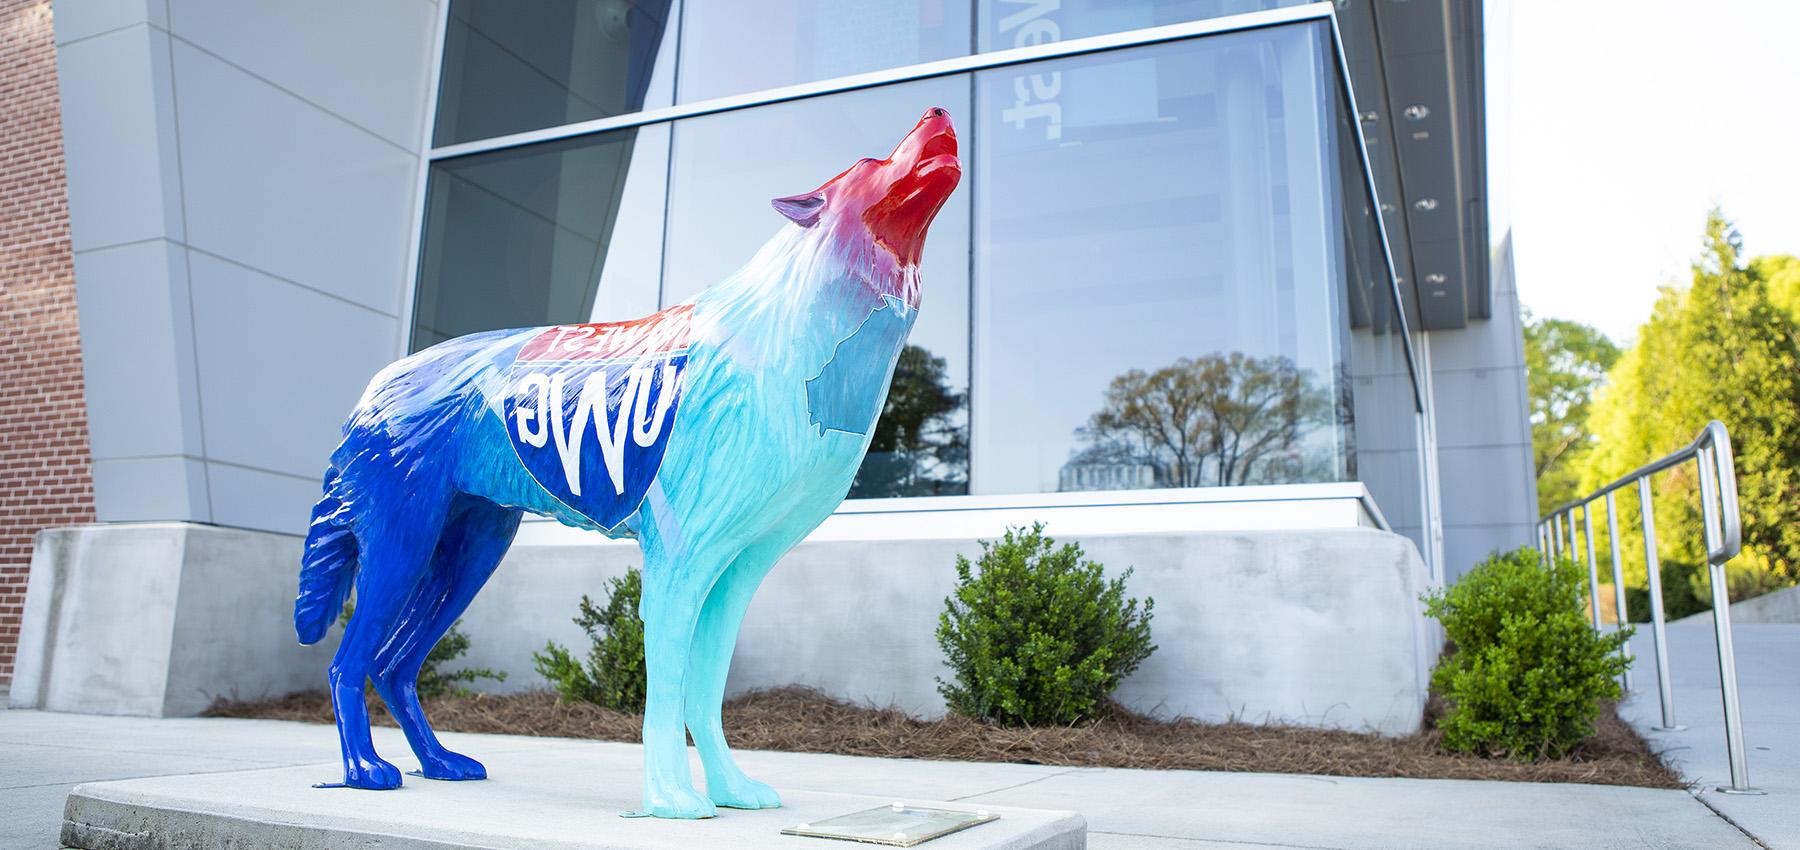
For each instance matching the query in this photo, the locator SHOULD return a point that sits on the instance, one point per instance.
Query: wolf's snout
(934, 137)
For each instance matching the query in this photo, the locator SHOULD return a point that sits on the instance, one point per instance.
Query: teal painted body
(718, 433)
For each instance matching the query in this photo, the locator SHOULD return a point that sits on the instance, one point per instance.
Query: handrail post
(1721, 601)
(1587, 521)
(1659, 635)
(1556, 536)
(1618, 575)
(1570, 519)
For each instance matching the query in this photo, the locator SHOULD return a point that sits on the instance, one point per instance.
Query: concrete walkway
(1768, 658)
(43, 755)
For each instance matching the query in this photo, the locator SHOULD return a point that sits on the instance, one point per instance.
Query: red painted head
(894, 198)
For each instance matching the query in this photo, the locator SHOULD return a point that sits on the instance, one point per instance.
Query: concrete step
(541, 799)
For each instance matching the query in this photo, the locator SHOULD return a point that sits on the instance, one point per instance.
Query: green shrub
(613, 673)
(1036, 635)
(434, 680)
(1679, 597)
(1528, 670)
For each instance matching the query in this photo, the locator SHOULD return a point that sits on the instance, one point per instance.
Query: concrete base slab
(543, 800)
(1769, 687)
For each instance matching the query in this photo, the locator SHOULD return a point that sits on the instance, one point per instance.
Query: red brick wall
(43, 422)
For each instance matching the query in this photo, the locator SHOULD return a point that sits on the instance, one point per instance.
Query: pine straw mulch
(803, 720)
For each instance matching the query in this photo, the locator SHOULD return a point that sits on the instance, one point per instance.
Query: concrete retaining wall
(158, 619)
(1776, 606)
(1318, 627)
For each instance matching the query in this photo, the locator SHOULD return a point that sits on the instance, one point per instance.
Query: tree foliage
(1216, 420)
(1723, 347)
(1566, 363)
(920, 445)
(1036, 635)
(1782, 271)
(612, 675)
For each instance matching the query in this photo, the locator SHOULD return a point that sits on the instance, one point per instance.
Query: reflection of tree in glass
(920, 446)
(1216, 420)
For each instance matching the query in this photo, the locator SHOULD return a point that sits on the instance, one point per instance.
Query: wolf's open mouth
(938, 163)
(943, 142)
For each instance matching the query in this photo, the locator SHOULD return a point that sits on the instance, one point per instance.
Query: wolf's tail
(327, 565)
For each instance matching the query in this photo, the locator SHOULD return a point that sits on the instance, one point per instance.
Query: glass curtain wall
(725, 168)
(1156, 299)
(1385, 403)
(1161, 269)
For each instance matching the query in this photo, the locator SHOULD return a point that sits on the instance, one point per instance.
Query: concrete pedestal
(158, 619)
(540, 799)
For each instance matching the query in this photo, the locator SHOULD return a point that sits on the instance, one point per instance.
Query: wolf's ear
(801, 209)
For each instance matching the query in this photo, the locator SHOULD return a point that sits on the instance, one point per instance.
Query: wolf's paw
(451, 766)
(668, 800)
(741, 792)
(370, 772)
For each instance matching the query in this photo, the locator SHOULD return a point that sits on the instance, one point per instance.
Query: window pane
(725, 169)
(565, 231)
(510, 67)
(1384, 404)
(1017, 23)
(731, 47)
(1158, 297)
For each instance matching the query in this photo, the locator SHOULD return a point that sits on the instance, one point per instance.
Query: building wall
(43, 423)
(242, 195)
(1486, 470)
(1486, 478)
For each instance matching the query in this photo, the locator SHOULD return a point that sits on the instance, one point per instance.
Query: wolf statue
(718, 433)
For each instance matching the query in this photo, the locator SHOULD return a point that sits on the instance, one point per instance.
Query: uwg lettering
(589, 409)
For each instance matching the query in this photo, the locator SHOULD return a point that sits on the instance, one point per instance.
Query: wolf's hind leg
(394, 556)
(708, 663)
(476, 536)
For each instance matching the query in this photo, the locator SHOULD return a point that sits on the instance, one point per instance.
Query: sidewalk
(43, 755)
(1768, 666)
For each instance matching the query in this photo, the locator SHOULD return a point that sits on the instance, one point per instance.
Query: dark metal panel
(1356, 24)
(1416, 65)
(1443, 278)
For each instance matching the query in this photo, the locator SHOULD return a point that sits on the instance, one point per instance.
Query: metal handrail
(1723, 530)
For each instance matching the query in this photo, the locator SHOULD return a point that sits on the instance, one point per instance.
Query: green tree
(1720, 348)
(1565, 364)
(1782, 271)
(1217, 420)
(920, 446)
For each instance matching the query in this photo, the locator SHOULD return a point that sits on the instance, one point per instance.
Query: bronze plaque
(898, 825)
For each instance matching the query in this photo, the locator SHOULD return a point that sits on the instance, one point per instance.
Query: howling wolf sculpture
(718, 433)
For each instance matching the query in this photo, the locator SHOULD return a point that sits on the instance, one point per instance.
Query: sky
(1627, 122)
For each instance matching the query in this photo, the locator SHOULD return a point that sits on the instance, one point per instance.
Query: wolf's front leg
(709, 661)
(669, 608)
